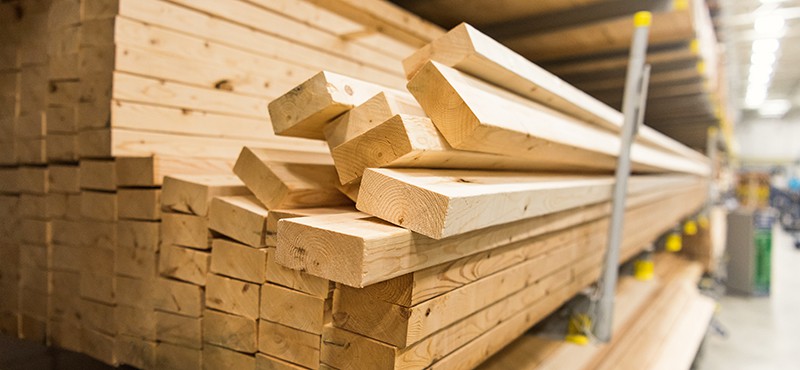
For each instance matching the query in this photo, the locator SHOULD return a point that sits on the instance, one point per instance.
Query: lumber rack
(634, 100)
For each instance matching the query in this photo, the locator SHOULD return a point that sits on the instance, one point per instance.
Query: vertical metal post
(632, 110)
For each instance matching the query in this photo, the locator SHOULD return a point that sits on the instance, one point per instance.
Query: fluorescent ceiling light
(761, 69)
(769, 25)
(774, 108)
(765, 46)
(762, 59)
(757, 78)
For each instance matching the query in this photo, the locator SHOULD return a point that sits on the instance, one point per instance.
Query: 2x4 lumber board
(305, 109)
(233, 296)
(170, 356)
(276, 215)
(679, 350)
(489, 60)
(241, 218)
(369, 114)
(179, 330)
(602, 36)
(98, 175)
(139, 204)
(386, 17)
(680, 52)
(99, 205)
(179, 18)
(136, 322)
(294, 279)
(136, 352)
(283, 179)
(265, 362)
(135, 293)
(178, 297)
(29, 180)
(421, 286)
(289, 344)
(193, 194)
(150, 171)
(185, 230)
(278, 25)
(62, 148)
(143, 235)
(292, 308)
(99, 346)
(361, 250)
(471, 119)
(232, 259)
(403, 327)
(184, 264)
(230, 331)
(138, 89)
(406, 141)
(222, 358)
(135, 262)
(443, 203)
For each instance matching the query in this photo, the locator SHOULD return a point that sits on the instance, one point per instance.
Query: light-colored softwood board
(98, 287)
(294, 279)
(64, 334)
(139, 204)
(135, 292)
(682, 51)
(367, 115)
(62, 148)
(28, 180)
(98, 316)
(134, 351)
(179, 330)
(266, 362)
(99, 205)
(36, 232)
(99, 346)
(185, 230)
(142, 235)
(280, 181)
(185, 264)
(99, 234)
(292, 308)
(242, 218)
(10, 183)
(98, 174)
(230, 331)
(31, 151)
(232, 296)
(32, 328)
(443, 203)
(215, 357)
(193, 194)
(64, 67)
(149, 171)
(169, 356)
(305, 109)
(178, 297)
(31, 126)
(173, 16)
(136, 322)
(276, 215)
(299, 32)
(61, 120)
(135, 262)
(353, 249)
(239, 261)
(469, 124)
(289, 344)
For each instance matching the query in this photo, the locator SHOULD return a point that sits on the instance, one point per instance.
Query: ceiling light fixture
(774, 108)
(770, 25)
(766, 46)
(762, 59)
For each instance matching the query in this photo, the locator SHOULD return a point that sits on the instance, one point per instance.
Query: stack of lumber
(126, 92)
(658, 324)
(586, 43)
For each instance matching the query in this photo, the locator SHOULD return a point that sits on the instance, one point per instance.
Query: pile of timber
(101, 99)
(586, 43)
(658, 324)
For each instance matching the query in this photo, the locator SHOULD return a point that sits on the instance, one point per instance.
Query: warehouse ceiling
(762, 38)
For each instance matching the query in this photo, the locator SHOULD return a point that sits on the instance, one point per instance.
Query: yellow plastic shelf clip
(690, 227)
(674, 242)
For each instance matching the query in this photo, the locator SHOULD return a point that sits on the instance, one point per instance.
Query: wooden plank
(150, 171)
(193, 194)
(184, 264)
(293, 279)
(99, 205)
(395, 195)
(242, 218)
(238, 261)
(292, 308)
(280, 181)
(220, 358)
(289, 344)
(304, 110)
(170, 356)
(232, 296)
(138, 234)
(178, 297)
(185, 230)
(98, 345)
(62, 147)
(29, 180)
(98, 175)
(539, 131)
(230, 331)
(179, 330)
(139, 204)
(264, 362)
(136, 322)
(406, 141)
(367, 115)
(135, 352)
(135, 292)
(354, 249)
(135, 262)
(490, 61)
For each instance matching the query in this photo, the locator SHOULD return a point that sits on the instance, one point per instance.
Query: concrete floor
(763, 333)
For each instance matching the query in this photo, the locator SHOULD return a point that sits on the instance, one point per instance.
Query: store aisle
(763, 333)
